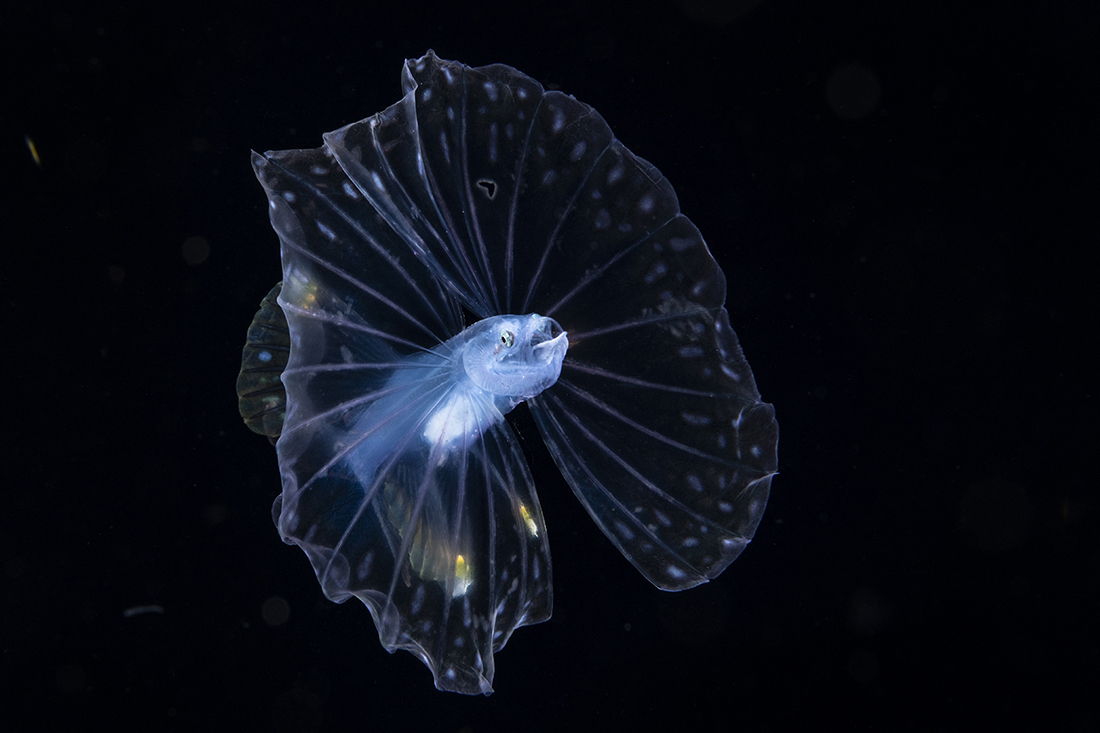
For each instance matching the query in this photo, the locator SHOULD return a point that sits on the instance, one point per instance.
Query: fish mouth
(549, 341)
(551, 348)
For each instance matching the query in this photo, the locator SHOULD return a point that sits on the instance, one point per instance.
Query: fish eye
(507, 338)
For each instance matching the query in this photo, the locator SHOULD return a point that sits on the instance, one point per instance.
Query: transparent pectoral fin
(680, 496)
(443, 541)
(656, 421)
(476, 167)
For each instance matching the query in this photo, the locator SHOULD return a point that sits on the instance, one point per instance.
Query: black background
(903, 196)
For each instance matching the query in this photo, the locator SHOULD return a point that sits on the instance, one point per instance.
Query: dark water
(903, 199)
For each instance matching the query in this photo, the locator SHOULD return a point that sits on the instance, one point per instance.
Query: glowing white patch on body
(454, 418)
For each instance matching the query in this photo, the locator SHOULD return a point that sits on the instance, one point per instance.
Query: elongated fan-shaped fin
(443, 539)
(656, 421)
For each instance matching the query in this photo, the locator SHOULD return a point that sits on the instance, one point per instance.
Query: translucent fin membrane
(480, 190)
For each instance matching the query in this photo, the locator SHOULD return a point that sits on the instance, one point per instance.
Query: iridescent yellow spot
(532, 528)
(463, 577)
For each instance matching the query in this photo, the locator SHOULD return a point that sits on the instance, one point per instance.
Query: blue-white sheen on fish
(481, 243)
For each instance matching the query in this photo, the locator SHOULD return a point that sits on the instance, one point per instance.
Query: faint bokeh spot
(195, 250)
(853, 91)
(275, 611)
(215, 513)
(868, 612)
(995, 515)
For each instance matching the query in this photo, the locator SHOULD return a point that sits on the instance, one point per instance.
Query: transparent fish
(481, 243)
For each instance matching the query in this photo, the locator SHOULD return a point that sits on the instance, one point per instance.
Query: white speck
(656, 272)
(725, 507)
(690, 542)
(139, 610)
(694, 482)
(675, 572)
(350, 191)
(264, 356)
(318, 170)
(578, 151)
(615, 174)
(290, 197)
(645, 204)
(692, 418)
(690, 352)
(603, 219)
(329, 234)
(558, 122)
(624, 531)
